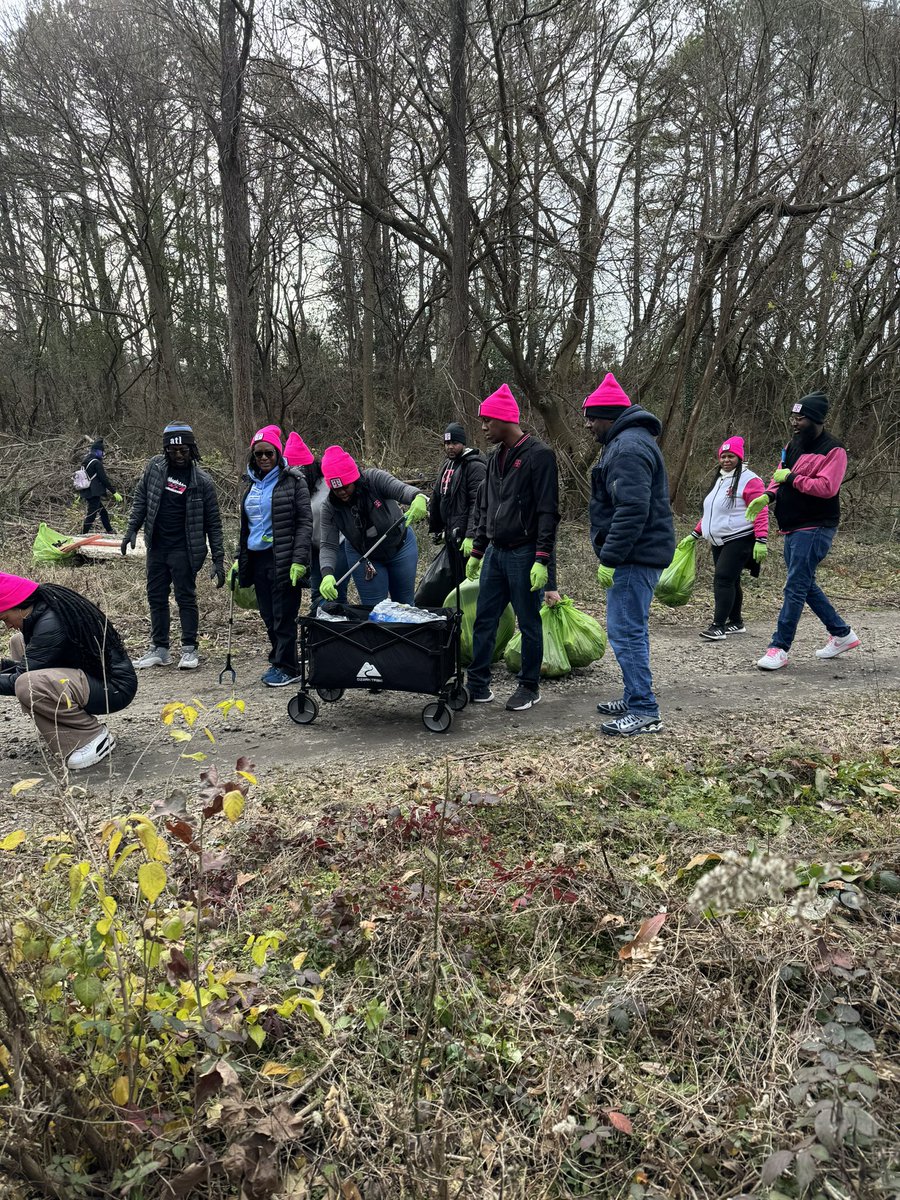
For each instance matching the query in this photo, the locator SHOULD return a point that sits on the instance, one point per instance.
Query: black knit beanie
(814, 406)
(455, 433)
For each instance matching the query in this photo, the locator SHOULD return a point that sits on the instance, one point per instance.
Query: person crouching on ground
(67, 665)
(513, 551)
(633, 535)
(363, 506)
(175, 502)
(806, 489)
(737, 544)
(273, 556)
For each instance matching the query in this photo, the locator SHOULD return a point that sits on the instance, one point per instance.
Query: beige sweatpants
(55, 700)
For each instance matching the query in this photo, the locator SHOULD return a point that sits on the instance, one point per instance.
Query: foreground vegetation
(531, 976)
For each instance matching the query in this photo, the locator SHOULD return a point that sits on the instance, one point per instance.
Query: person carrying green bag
(633, 535)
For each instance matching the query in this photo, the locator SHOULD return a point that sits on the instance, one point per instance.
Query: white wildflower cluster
(739, 881)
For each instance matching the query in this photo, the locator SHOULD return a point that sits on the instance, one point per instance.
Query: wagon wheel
(329, 695)
(437, 717)
(302, 709)
(458, 697)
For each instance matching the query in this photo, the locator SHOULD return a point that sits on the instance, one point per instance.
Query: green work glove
(755, 507)
(117, 496)
(297, 573)
(233, 575)
(538, 577)
(760, 550)
(605, 576)
(473, 568)
(417, 510)
(781, 474)
(465, 547)
(328, 588)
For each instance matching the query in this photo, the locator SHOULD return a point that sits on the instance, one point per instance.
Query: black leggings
(730, 560)
(96, 508)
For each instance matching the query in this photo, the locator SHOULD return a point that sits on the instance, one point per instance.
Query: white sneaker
(838, 645)
(189, 660)
(773, 659)
(95, 751)
(156, 656)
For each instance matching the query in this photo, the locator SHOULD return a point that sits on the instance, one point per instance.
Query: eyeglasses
(263, 453)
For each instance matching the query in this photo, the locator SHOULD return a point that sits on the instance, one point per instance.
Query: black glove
(437, 538)
(218, 574)
(130, 539)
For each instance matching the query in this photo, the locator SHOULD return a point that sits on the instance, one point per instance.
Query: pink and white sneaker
(838, 645)
(773, 659)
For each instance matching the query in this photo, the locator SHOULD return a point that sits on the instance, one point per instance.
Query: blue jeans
(627, 616)
(315, 575)
(505, 579)
(804, 549)
(395, 578)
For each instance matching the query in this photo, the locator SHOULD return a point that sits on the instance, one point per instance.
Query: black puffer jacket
(203, 521)
(49, 647)
(456, 510)
(292, 526)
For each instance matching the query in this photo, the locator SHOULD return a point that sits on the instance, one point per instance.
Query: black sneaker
(480, 695)
(612, 708)
(522, 698)
(715, 633)
(633, 724)
(733, 628)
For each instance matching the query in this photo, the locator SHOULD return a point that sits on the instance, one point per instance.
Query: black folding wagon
(336, 656)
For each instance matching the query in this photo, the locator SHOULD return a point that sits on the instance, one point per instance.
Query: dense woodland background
(356, 217)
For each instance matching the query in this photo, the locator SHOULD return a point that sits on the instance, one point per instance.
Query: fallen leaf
(619, 1121)
(647, 931)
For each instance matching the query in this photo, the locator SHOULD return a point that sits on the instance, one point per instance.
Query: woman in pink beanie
(361, 507)
(737, 544)
(274, 548)
(299, 455)
(67, 666)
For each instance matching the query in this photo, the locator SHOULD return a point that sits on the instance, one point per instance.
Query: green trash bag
(243, 597)
(583, 638)
(47, 544)
(555, 662)
(677, 581)
(468, 602)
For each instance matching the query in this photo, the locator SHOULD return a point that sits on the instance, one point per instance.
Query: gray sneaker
(189, 660)
(632, 724)
(156, 656)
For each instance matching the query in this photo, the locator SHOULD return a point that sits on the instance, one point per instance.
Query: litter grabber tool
(371, 569)
(228, 669)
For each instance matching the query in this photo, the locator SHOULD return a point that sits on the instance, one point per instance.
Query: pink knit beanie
(501, 405)
(339, 467)
(296, 451)
(608, 395)
(14, 591)
(733, 444)
(268, 433)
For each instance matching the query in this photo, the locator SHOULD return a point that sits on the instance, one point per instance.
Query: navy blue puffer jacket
(631, 517)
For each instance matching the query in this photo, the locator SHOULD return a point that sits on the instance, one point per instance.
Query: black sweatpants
(730, 560)
(96, 508)
(279, 604)
(171, 570)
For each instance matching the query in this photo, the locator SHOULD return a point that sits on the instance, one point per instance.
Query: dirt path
(695, 680)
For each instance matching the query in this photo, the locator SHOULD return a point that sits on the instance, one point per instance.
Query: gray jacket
(374, 509)
(203, 521)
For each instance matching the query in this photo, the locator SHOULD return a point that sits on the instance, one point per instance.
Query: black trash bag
(438, 580)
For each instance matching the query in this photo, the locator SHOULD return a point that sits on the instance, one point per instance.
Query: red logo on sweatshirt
(377, 504)
(517, 463)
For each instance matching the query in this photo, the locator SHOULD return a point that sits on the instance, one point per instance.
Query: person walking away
(513, 551)
(66, 666)
(453, 512)
(298, 454)
(806, 489)
(633, 535)
(737, 544)
(99, 487)
(362, 506)
(274, 548)
(175, 503)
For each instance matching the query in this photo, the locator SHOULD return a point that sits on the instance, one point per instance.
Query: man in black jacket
(453, 513)
(99, 487)
(515, 541)
(66, 666)
(633, 535)
(176, 504)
